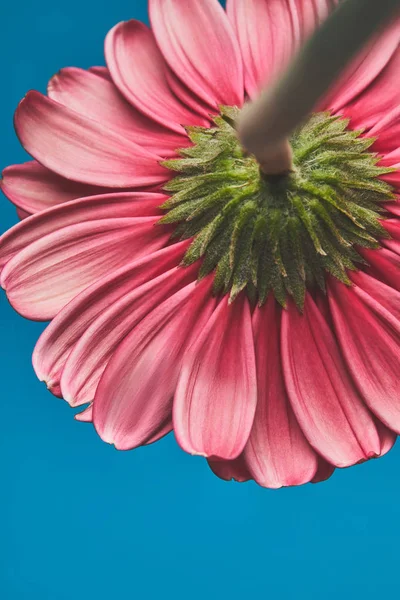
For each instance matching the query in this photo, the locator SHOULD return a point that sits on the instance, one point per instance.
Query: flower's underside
(258, 318)
(278, 234)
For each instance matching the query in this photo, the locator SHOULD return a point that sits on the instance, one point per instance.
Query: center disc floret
(279, 234)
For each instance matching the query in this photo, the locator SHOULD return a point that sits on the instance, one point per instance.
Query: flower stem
(266, 123)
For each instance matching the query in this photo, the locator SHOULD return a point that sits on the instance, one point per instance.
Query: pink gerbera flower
(259, 318)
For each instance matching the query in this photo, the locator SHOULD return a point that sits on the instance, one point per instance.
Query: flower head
(258, 317)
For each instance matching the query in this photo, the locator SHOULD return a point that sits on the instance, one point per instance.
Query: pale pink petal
(43, 277)
(363, 69)
(369, 337)
(32, 187)
(108, 206)
(199, 45)
(58, 339)
(235, 469)
(328, 408)
(270, 32)
(96, 98)
(139, 72)
(92, 353)
(82, 149)
(86, 416)
(277, 453)
(216, 396)
(134, 396)
(378, 99)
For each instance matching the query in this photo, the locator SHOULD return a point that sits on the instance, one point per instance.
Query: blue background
(78, 520)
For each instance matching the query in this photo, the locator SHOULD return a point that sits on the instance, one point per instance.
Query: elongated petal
(128, 204)
(235, 469)
(92, 353)
(139, 72)
(369, 337)
(96, 98)
(379, 98)
(277, 453)
(384, 264)
(328, 408)
(134, 396)
(32, 187)
(82, 149)
(41, 279)
(386, 131)
(199, 45)
(58, 339)
(270, 33)
(114, 205)
(363, 69)
(216, 396)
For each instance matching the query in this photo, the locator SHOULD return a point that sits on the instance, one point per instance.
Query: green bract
(279, 234)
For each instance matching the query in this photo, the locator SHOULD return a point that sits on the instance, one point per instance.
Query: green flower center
(277, 234)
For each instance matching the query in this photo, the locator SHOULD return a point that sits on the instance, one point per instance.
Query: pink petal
(32, 187)
(270, 33)
(199, 45)
(379, 98)
(86, 416)
(325, 471)
(363, 69)
(139, 72)
(82, 149)
(328, 408)
(383, 264)
(386, 130)
(231, 469)
(134, 396)
(216, 397)
(369, 337)
(277, 453)
(41, 279)
(92, 353)
(58, 339)
(387, 437)
(117, 205)
(164, 430)
(22, 214)
(96, 98)
(101, 72)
